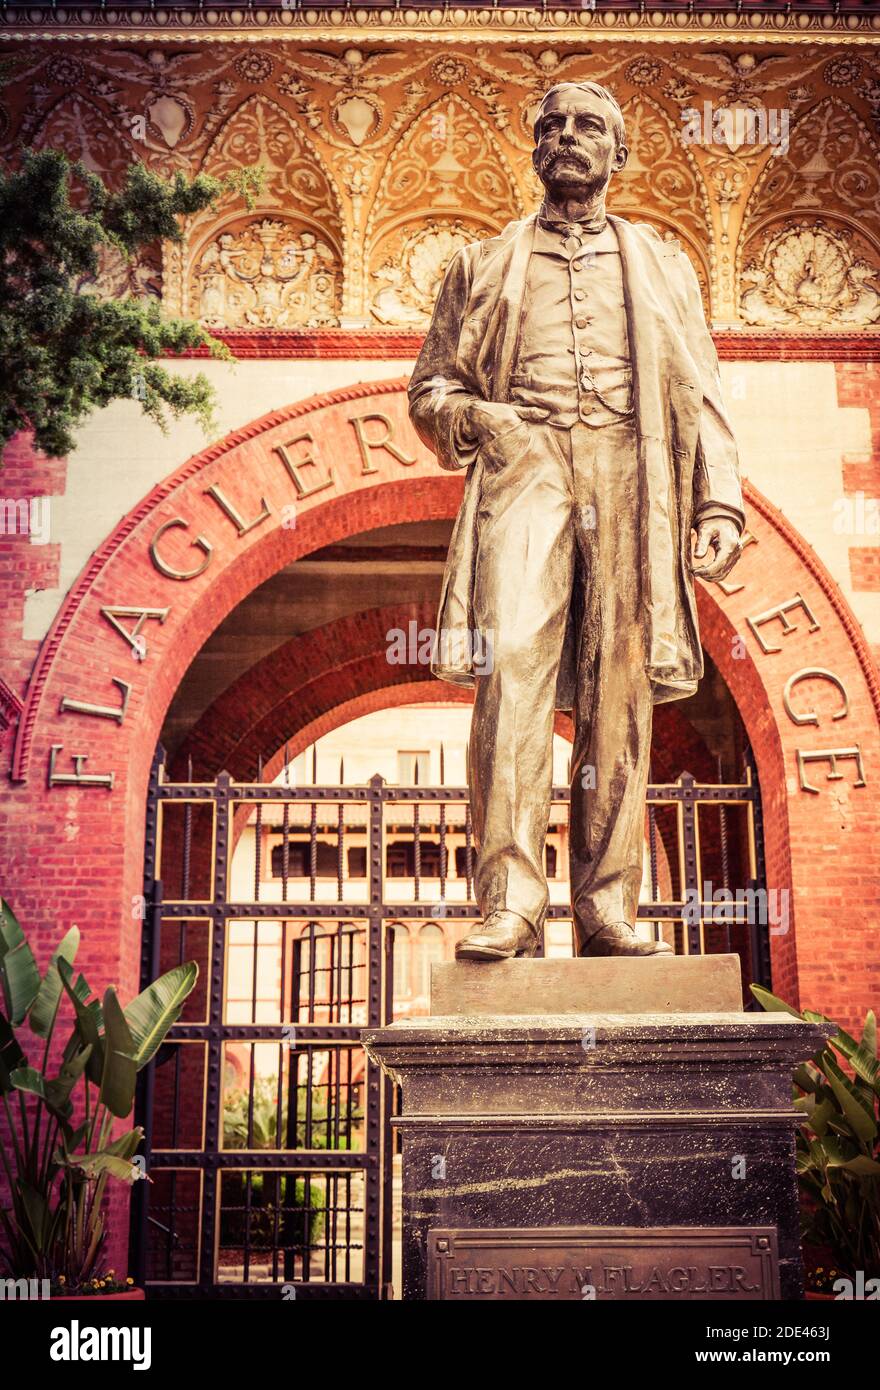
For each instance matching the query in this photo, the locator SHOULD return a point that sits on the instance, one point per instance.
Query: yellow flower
(62, 1279)
(129, 1281)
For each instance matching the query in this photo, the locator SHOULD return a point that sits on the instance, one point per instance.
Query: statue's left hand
(723, 536)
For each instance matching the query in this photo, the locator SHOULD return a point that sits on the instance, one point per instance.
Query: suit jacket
(687, 454)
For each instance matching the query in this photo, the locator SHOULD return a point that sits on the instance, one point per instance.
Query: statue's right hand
(488, 419)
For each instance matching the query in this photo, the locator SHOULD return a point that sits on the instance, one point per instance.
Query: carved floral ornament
(409, 278)
(267, 274)
(808, 274)
(393, 154)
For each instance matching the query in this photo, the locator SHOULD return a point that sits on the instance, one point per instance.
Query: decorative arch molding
(494, 208)
(258, 271)
(368, 469)
(301, 196)
(85, 132)
(347, 462)
(668, 189)
(821, 194)
(807, 250)
(294, 695)
(312, 168)
(447, 182)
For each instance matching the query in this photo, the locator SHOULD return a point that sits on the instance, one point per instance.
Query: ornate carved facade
(382, 157)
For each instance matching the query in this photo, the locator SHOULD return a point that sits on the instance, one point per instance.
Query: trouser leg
(523, 580)
(613, 703)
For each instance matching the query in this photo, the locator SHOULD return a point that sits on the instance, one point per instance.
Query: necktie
(573, 232)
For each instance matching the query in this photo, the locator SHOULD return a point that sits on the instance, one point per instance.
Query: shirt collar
(589, 227)
(549, 241)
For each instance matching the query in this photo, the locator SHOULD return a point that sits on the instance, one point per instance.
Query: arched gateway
(779, 634)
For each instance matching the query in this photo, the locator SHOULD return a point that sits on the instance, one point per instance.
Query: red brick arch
(324, 678)
(75, 852)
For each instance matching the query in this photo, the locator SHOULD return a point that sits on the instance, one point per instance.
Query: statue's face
(576, 152)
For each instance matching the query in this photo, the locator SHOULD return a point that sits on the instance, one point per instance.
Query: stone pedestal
(584, 1153)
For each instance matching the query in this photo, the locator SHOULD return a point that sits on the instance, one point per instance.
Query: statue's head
(579, 140)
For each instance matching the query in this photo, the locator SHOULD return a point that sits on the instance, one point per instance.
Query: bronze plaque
(610, 1262)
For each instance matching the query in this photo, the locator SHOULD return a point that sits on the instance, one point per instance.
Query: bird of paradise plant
(59, 1151)
(838, 1142)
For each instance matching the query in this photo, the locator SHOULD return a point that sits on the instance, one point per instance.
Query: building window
(550, 861)
(357, 861)
(461, 861)
(410, 763)
(431, 952)
(402, 960)
(299, 860)
(400, 859)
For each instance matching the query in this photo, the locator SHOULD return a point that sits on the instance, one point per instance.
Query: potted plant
(59, 1151)
(838, 1154)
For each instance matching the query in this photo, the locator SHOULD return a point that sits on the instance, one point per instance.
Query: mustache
(566, 152)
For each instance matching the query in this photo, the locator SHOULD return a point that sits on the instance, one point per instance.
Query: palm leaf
(93, 1165)
(862, 1059)
(45, 1006)
(119, 1076)
(772, 1004)
(59, 1088)
(153, 1012)
(11, 1056)
(21, 978)
(30, 1080)
(858, 1112)
(89, 1021)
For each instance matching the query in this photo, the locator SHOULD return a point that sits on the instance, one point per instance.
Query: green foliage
(57, 1156)
(838, 1143)
(275, 1212)
(64, 351)
(264, 1119)
(314, 1125)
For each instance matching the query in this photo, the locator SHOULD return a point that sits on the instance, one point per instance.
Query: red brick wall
(864, 564)
(858, 385)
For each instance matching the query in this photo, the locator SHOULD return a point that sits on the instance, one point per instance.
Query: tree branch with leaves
(66, 351)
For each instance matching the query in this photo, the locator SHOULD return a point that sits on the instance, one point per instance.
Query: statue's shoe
(619, 939)
(502, 936)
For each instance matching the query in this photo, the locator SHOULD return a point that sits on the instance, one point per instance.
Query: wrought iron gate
(268, 1146)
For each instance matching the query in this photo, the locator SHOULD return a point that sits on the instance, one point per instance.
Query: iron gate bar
(197, 1160)
(368, 920)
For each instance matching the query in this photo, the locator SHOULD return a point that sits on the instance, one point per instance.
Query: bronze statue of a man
(568, 367)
